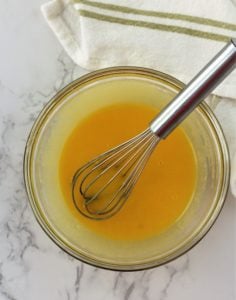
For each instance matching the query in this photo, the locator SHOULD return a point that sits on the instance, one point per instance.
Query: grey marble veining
(32, 68)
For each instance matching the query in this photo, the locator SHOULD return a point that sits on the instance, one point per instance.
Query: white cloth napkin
(175, 37)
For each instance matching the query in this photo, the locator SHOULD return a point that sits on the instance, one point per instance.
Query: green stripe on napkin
(170, 28)
(129, 10)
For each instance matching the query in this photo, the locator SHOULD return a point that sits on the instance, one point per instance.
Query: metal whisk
(106, 182)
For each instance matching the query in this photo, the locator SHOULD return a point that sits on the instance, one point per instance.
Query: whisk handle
(198, 89)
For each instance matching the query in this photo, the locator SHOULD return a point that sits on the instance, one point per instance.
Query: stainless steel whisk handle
(197, 90)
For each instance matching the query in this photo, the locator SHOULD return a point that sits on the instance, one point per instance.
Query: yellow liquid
(165, 187)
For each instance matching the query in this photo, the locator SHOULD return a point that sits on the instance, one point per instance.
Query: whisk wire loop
(122, 166)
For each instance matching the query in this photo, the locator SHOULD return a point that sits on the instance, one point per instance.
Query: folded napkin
(175, 37)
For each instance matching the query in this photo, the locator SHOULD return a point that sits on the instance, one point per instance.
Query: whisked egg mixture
(165, 187)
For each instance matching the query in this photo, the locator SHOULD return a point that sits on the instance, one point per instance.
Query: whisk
(101, 187)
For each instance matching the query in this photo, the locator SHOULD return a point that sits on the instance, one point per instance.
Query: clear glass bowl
(54, 125)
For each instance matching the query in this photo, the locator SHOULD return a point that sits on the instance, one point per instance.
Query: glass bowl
(54, 125)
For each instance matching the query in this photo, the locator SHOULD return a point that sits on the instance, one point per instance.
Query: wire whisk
(102, 186)
(113, 174)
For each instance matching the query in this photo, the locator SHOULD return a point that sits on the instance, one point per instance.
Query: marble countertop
(33, 67)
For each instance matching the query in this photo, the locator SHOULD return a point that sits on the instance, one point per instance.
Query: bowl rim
(32, 138)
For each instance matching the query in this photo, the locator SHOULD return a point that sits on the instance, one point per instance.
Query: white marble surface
(32, 68)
